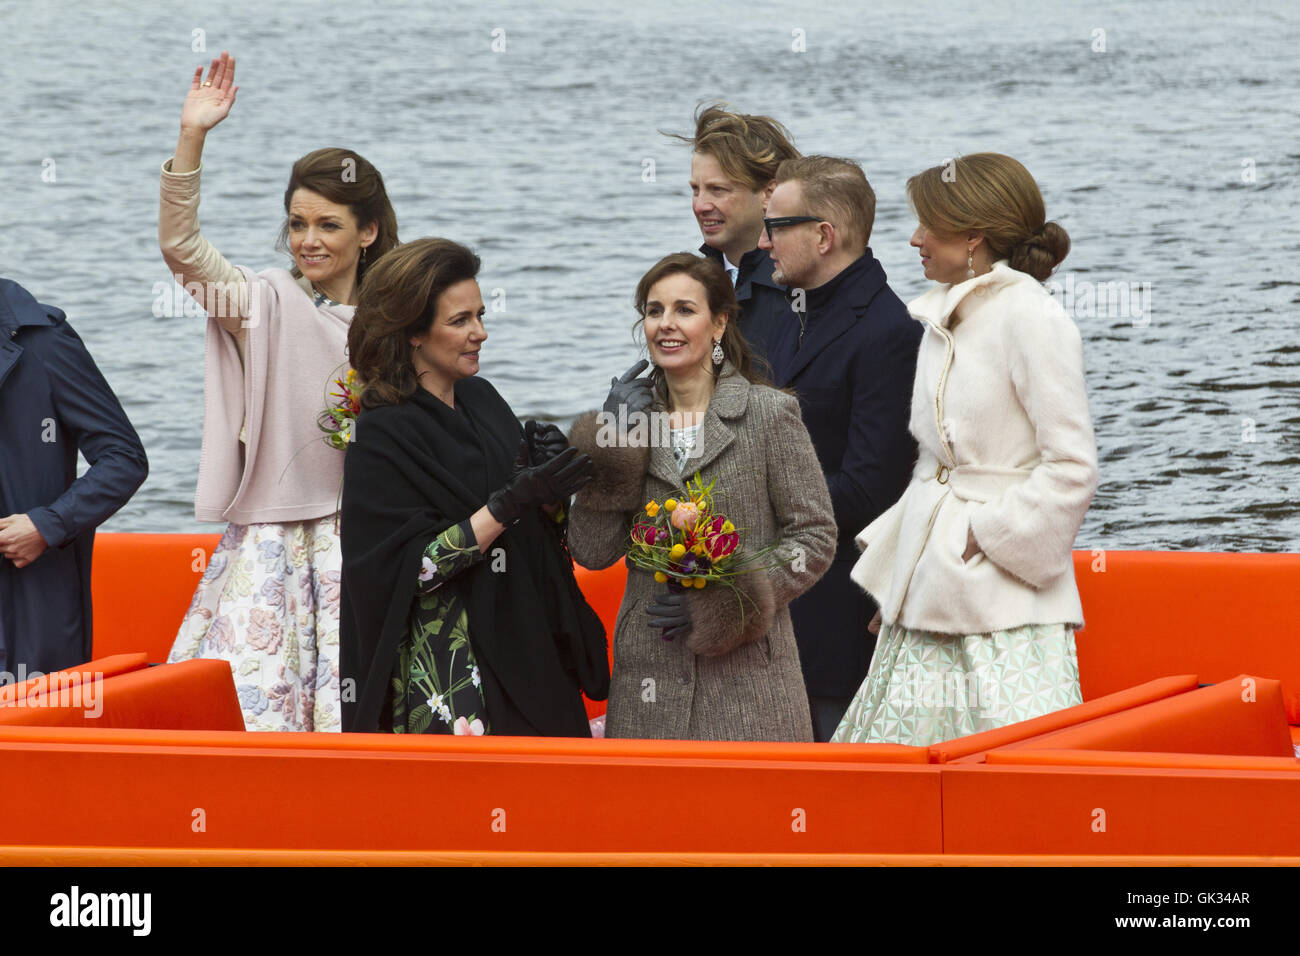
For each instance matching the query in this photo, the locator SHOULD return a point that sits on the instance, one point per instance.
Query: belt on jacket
(966, 483)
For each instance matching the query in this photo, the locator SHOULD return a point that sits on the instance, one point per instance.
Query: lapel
(18, 308)
(730, 399)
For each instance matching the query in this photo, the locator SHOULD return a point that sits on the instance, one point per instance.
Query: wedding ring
(209, 83)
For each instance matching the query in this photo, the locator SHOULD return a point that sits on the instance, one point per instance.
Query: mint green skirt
(925, 687)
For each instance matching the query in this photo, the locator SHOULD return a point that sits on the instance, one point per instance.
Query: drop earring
(970, 263)
(718, 355)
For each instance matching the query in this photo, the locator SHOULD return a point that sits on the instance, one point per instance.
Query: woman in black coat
(460, 611)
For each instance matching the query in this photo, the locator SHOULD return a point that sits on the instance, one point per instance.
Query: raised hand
(637, 394)
(208, 101)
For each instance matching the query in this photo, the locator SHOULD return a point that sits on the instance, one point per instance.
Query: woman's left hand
(545, 441)
(670, 613)
(972, 546)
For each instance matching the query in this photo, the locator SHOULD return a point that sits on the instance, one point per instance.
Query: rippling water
(1163, 135)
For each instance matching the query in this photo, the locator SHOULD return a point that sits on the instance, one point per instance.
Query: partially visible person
(850, 356)
(974, 568)
(732, 168)
(54, 403)
(461, 614)
(268, 601)
(708, 664)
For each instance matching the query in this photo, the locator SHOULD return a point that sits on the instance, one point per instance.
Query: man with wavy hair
(735, 159)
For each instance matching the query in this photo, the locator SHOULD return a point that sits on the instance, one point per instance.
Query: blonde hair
(837, 191)
(749, 148)
(994, 195)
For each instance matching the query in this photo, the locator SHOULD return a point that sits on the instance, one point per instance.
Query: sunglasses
(780, 221)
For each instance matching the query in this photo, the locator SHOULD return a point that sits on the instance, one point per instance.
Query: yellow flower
(676, 551)
(698, 549)
(352, 375)
(652, 508)
(670, 504)
(728, 527)
(660, 577)
(700, 582)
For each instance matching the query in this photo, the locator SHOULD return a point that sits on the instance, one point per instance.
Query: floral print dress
(269, 604)
(436, 684)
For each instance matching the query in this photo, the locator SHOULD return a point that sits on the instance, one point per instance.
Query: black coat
(53, 403)
(852, 369)
(765, 313)
(412, 470)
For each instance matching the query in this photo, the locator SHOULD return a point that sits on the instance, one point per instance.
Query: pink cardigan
(292, 352)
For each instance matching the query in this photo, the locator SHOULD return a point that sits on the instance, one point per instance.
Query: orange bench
(191, 695)
(1151, 613)
(1242, 716)
(974, 746)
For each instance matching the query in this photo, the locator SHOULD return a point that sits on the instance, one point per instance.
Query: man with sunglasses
(849, 354)
(735, 159)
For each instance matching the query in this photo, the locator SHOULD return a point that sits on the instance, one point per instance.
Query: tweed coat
(726, 680)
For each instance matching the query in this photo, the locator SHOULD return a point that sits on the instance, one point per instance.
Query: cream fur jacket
(1006, 450)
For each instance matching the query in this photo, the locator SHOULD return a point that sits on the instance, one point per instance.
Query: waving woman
(268, 601)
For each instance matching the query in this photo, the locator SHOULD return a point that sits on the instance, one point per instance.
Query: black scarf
(412, 471)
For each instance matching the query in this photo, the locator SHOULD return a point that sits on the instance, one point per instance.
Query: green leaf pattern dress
(436, 683)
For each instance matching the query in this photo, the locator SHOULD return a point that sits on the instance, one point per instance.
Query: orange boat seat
(973, 746)
(1242, 716)
(103, 667)
(190, 695)
(1149, 613)
(142, 585)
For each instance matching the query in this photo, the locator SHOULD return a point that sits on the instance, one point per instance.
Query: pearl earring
(970, 263)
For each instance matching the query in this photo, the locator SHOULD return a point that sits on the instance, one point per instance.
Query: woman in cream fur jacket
(973, 567)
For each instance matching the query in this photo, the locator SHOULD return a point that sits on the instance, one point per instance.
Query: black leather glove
(545, 441)
(539, 485)
(670, 612)
(637, 394)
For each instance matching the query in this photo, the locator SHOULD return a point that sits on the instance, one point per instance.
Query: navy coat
(765, 313)
(851, 365)
(54, 402)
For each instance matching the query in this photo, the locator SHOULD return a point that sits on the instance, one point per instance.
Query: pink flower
(685, 515)
(463, 728)
(265, 631)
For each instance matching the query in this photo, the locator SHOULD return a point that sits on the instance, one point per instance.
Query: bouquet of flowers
(342, 406)
(688, 543)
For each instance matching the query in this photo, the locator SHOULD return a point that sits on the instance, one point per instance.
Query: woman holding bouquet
(973, 567)
(718, 662)
(268, 601)
(461, 614)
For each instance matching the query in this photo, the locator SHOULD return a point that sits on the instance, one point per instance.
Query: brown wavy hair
(995, 195)
(346, 178)
(722, 301)
(749, 148)
(399, 299)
